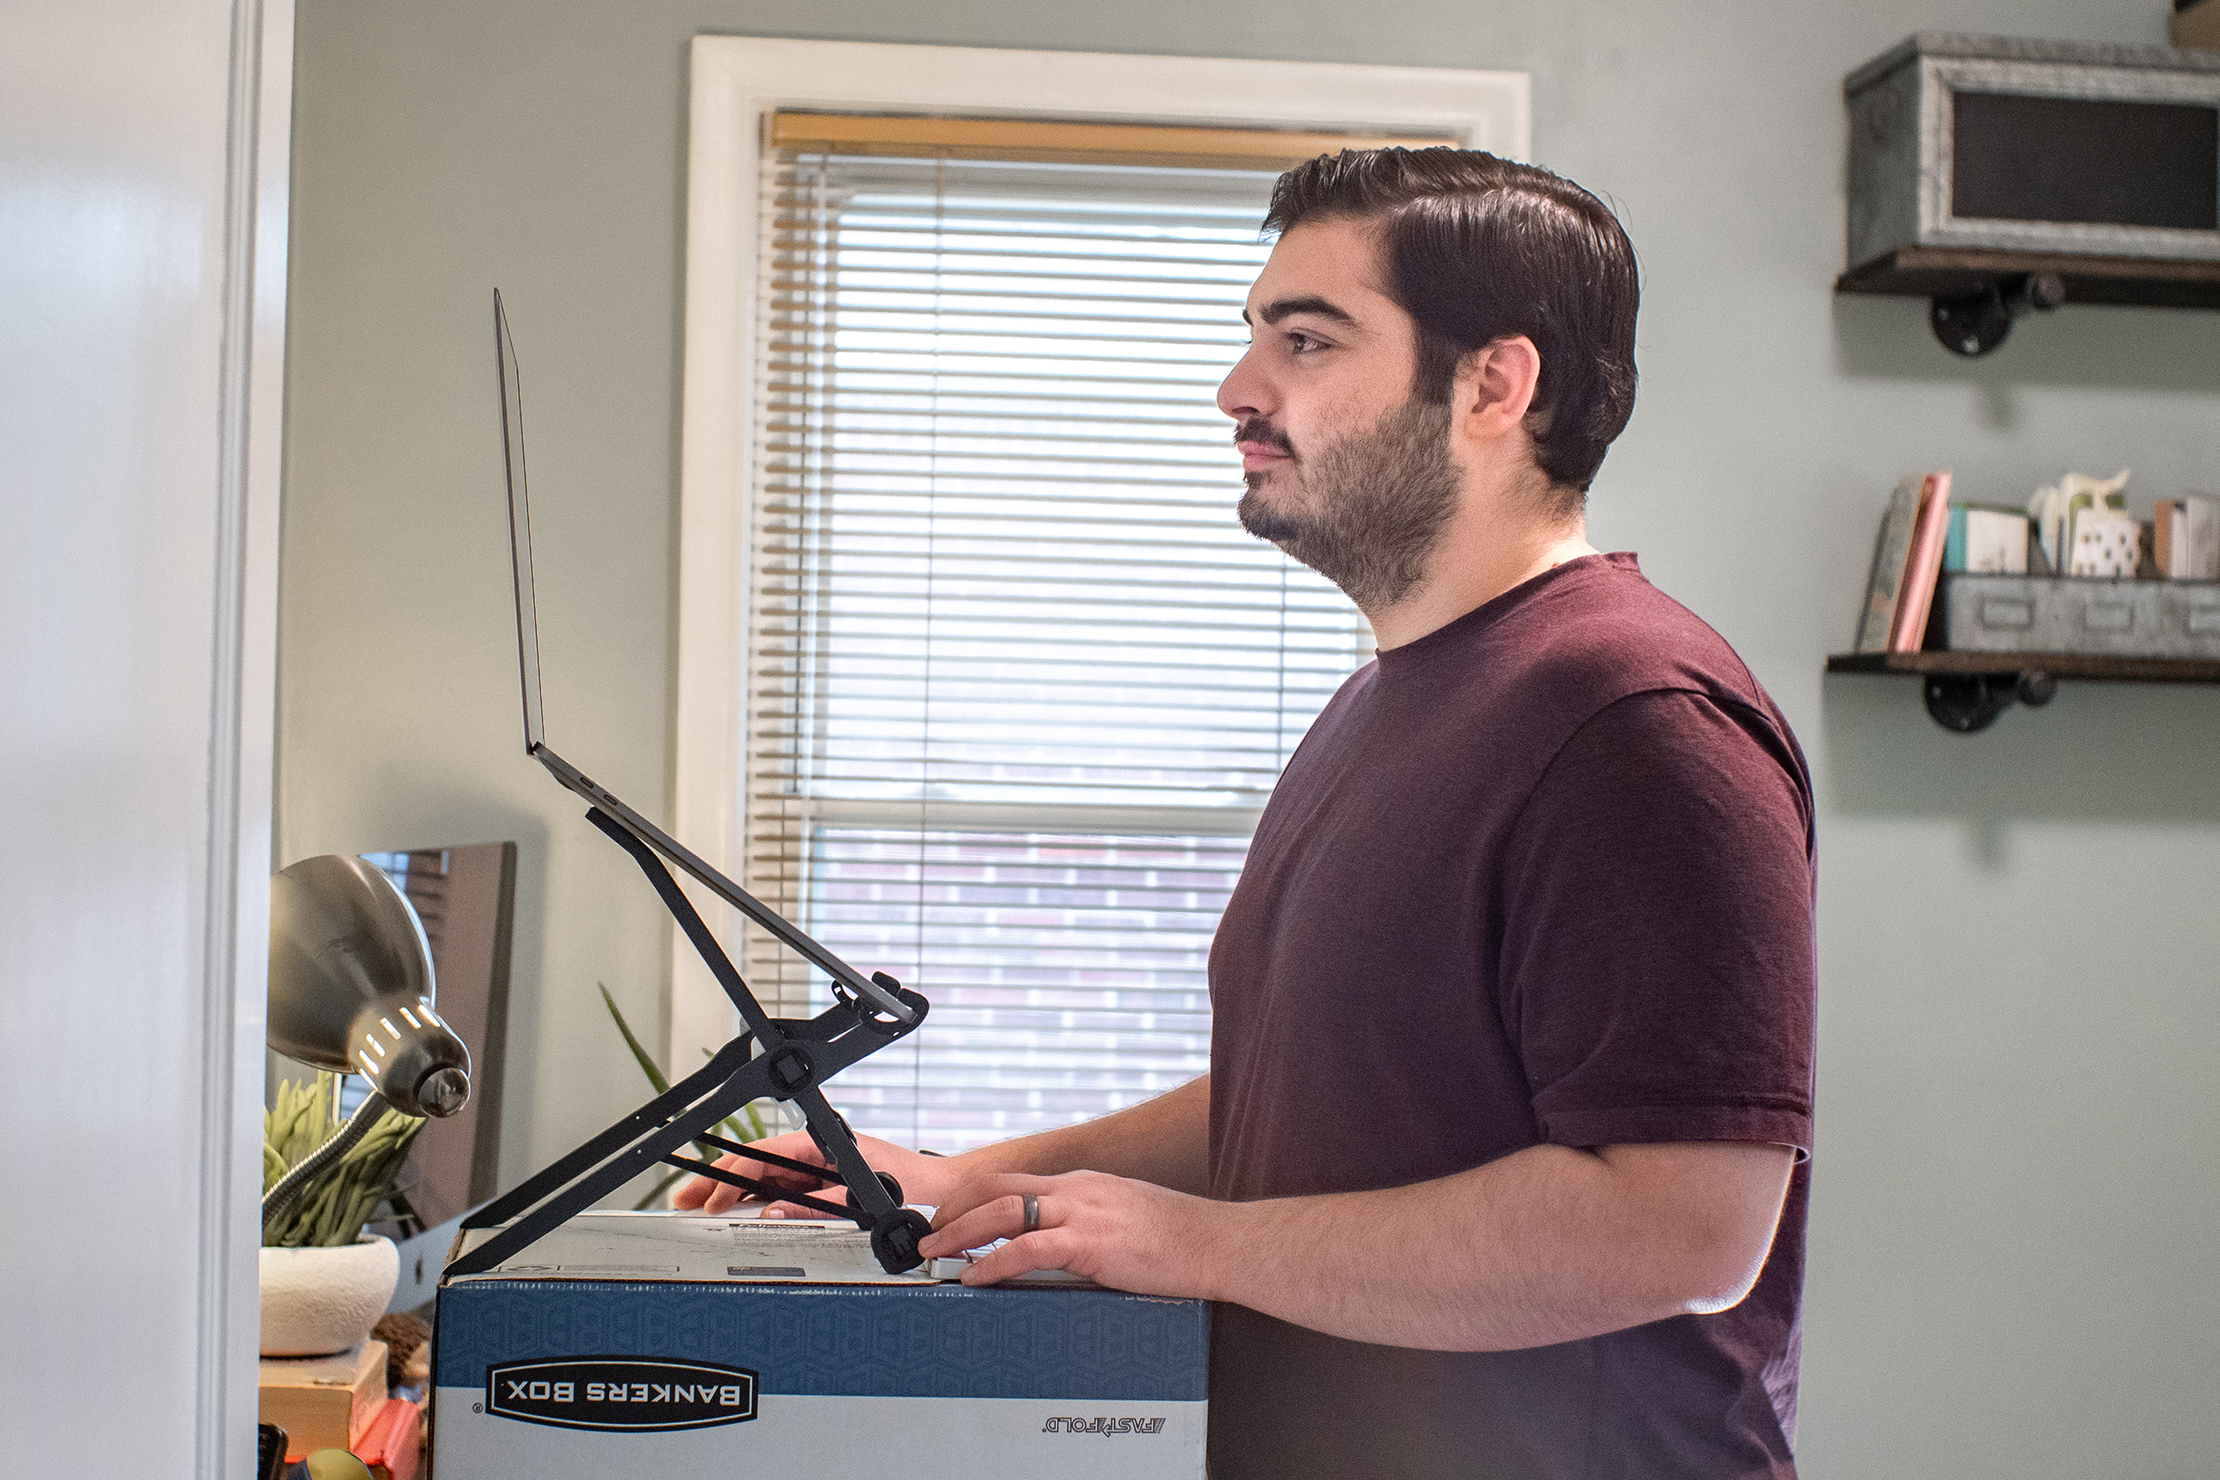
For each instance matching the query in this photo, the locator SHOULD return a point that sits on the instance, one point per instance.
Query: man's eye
(1302, 343)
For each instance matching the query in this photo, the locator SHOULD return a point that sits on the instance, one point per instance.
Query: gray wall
(2013, 1239)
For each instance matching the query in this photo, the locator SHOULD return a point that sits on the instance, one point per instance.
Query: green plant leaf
(647, 1065)
(332, 1208)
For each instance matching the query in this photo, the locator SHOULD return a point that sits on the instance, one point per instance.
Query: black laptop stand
(785, 1059)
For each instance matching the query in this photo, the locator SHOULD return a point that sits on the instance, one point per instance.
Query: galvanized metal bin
(1909, 162)
(2050, 614)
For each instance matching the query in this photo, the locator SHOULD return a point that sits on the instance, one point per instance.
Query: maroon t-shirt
(1541, 876)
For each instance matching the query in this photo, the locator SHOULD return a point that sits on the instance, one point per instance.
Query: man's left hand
(1546, 1245)
(1117, 1232)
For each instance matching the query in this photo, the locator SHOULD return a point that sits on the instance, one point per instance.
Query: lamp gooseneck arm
(280, 1197)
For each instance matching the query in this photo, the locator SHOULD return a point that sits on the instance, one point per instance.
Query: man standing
(1498, 1169)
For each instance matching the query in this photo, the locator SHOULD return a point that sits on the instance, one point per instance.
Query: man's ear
(1495, 388)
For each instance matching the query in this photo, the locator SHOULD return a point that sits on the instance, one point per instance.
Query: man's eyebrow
(1281, 308)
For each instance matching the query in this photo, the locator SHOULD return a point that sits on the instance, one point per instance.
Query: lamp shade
(351, 985)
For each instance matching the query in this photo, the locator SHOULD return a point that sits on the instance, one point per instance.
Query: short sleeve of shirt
(1657, 966)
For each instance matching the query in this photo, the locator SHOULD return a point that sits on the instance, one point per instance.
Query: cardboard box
(323, 1402)
(656, 1343)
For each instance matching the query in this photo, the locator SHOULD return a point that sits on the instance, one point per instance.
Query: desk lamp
(351, 991)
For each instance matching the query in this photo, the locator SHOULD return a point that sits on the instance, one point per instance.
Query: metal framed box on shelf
(1997, 640)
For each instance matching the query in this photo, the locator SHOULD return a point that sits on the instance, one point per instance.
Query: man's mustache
(1259, 429)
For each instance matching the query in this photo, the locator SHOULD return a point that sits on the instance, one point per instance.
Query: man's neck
(1475, 561)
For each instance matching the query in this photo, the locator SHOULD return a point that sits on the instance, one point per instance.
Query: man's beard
(1364, 510)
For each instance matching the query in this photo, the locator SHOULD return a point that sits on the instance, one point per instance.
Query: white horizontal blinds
(1019, 682)
(1066, 971)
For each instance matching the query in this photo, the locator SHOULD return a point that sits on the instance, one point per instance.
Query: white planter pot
(318, 1301)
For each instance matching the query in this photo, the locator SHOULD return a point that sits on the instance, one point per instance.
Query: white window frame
(736, 81)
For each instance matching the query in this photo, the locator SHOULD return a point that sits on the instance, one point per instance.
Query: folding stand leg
(609, 1174)
(794, 1059)
(793, 1068)
(655, 1113)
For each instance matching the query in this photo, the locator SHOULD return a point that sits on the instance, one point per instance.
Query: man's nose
(1244, 392)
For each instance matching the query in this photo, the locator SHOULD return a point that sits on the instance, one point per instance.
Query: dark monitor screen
(466, 899)
(2099, 161)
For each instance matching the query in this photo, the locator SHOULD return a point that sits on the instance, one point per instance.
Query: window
(1016, 683)
(1020, 682)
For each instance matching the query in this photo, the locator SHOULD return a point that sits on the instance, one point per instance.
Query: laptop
(535, 737)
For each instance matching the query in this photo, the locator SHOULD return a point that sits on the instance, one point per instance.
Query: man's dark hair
(1476, 248)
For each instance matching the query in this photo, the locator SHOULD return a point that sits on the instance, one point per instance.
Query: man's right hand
(925, 1179)
(1165, 1140)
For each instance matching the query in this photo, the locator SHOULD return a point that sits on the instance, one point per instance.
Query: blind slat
(996, 576)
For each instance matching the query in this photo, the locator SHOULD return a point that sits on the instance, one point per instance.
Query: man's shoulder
(1613, 628)
(1617, 657)
(1514, 681)
(1602, 633)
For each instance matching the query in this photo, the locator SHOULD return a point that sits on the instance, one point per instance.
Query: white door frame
(145, 161)
(243, 723)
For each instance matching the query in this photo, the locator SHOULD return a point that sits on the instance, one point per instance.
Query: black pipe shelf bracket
(1967, 703)
(1975, 322)
(1966, 692)
(1975, 296)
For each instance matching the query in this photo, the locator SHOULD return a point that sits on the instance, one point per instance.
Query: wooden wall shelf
(1954, 272)
(2057, 665)
(1965, 692)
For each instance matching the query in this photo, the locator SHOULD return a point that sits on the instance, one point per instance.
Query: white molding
(242, 732)
(736, 79)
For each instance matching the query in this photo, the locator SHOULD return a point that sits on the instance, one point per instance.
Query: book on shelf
(1986, 539)
(1907, 558)
(2186, 537)
(1886, 580)
(1922, 565)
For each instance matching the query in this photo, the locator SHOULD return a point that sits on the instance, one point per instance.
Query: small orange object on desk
(389, 1444)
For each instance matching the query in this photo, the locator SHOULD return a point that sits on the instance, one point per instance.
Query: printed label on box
(620, 1393)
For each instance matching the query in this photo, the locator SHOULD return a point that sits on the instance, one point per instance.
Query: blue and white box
(655, 1343)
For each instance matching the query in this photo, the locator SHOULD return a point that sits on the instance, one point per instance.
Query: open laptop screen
(605, 801)
(520, 527)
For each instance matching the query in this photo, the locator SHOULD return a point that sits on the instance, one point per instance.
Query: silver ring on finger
(1032, 1207)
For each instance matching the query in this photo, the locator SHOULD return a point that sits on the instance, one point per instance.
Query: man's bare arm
(1165, 1141)
(1546, 1245)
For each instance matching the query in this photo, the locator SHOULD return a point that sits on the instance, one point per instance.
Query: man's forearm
(1547, 1245)
(1165, 1141)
